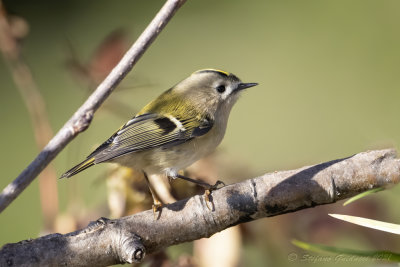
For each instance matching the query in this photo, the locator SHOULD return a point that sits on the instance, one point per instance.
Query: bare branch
(127, 239)
(82, 118)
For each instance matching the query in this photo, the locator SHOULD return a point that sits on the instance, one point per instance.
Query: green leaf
(374, 224)
(381, 255)
(363, 194)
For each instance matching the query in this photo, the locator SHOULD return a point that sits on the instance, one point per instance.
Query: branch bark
(106, 242)
(83, 116)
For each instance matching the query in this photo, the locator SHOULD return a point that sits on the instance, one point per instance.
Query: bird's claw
(215, 186)
(156, 207)
(208, 199)
(208, 191)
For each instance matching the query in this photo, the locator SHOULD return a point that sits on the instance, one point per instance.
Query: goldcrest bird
(176, 129)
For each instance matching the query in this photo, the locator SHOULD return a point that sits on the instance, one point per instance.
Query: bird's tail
(78, 168)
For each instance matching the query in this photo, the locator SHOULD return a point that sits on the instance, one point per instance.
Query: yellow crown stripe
(214, 70)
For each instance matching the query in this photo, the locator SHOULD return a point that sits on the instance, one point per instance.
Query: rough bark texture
(106, 242)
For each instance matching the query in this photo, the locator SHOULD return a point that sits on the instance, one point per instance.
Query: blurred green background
(329, 87)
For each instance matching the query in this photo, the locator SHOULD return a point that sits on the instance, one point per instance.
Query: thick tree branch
(82, 118)
(106, 242)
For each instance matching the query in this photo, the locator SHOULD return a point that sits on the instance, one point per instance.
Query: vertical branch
(34, 102)
(83, 116)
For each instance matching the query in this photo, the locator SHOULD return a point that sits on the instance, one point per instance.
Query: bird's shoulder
(179, 110)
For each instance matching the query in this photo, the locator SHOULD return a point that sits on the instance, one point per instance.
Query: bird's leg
(201, 183)
(156, 202)
(208, 188)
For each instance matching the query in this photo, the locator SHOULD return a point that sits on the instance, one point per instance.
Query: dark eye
(221, 89)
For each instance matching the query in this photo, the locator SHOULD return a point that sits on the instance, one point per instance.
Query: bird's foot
(208, 188)
(208, 196)
(157, 207)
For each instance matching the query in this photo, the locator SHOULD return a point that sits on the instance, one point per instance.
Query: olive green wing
(149, 131)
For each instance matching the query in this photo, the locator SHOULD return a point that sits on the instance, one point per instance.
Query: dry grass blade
(374, 224)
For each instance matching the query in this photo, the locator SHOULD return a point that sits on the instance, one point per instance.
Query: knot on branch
(125, 246)
(83, 122)
(96, 225)
(130, 248)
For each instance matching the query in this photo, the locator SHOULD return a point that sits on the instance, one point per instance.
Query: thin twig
(83, 116)
(128, 239)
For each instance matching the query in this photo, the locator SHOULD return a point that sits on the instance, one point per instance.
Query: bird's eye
(221, 89)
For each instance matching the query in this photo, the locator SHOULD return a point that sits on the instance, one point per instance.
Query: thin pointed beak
(242, 86)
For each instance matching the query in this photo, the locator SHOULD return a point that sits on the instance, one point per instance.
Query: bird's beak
(242, 86)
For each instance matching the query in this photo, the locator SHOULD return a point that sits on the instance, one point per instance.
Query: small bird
(182, 125)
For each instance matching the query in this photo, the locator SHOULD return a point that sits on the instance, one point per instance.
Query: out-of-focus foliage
(329, 88)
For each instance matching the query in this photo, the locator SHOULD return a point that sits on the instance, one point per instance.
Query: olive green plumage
(182, 125)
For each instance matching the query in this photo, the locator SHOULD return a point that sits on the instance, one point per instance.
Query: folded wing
(149, 131)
